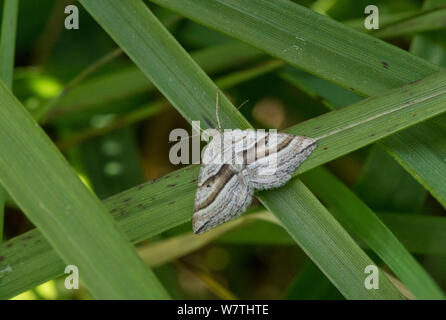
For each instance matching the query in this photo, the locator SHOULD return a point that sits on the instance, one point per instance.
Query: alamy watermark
(372, 20)
(372, 280)
(72, 280)
(72, 20)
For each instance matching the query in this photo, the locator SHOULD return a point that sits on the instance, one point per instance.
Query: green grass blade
(2, 211)
(304, 218)
(153, 108)
(181, 185)
(385, 19)
(422, 22)
(129, 81)
(158, 253)
(424, 156)
(372, 119)
(419, 150)
(392, 189)
(381, 189)
(286, 30)
(7, 41)
(7, 50)
(331, 51)
(330, 94)
(311, 284)
(357, 217)
(141, 214)
(430, 46)
(257, 233)
(398, 24)
(70, 217)
(192, 93)
(166, 76)
(421, 233)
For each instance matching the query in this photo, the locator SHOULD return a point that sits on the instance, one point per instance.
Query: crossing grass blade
(172, 248)
(392, 189)
(392, 25)
(7, 41)
(136, 204)
(192, 93)
(129, 81)
(359, 62)
(422, 22)
(7, 50)
(420, 234)
(141, 214)
(359, 219)
(432, 142)
(379, 188)
(422, 155)
(143, 112)
(287, 30)
(311, 284)
(69, 216)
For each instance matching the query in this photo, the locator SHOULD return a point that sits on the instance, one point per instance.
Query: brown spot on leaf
(171, 185)
(385, 64)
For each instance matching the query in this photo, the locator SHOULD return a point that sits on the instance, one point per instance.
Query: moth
(236, 163)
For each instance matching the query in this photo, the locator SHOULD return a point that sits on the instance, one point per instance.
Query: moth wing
(222, 194)
(276, 160)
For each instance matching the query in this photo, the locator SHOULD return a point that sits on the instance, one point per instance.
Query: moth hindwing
(238, 162)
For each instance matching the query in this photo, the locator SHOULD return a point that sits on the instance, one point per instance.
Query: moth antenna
(243, 103)
(216, 112)
(196, 127)
(191, 136)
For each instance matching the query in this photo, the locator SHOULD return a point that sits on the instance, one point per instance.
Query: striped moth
(235, 163)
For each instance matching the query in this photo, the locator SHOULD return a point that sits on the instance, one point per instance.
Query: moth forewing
(221, 195)
(211, 152)
(237, 162)
(267, 158)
